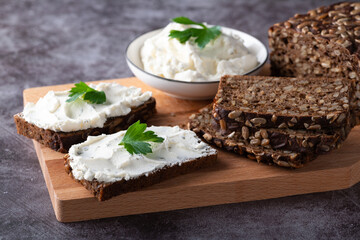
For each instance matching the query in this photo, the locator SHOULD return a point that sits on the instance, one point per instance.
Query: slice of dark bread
(279, 102)
(201, 124)
(104, 191)
(302, 141)
(324, 42)
(62, 141)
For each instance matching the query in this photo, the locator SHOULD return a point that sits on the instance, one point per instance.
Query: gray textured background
(55, 42)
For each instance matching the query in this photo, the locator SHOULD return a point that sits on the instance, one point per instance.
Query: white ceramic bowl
(183, 89)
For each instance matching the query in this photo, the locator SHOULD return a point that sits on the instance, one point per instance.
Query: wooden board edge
(354, 174)
(46, 176)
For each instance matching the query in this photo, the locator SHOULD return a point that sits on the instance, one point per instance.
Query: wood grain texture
(232, 179)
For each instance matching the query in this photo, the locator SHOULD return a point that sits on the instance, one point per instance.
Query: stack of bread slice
(278, 120)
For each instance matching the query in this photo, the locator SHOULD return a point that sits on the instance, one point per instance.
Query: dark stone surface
(55, 42)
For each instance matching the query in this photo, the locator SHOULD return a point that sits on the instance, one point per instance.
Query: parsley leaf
(202, 35)
(136, 139)
(82, 90)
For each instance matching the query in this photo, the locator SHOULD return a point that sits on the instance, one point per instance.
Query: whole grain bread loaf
(280, 102)
(104, 191)
(201, 124)
(325, 42)
(62, 141)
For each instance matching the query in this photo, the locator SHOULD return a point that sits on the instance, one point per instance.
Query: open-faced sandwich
(60, 119)
(109, 165)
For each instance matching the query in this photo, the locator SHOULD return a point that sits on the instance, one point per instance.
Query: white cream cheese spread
(167, 57)
(54, 113)
(102, 158)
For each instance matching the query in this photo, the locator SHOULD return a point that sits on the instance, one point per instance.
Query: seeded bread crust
(104, 191)
(323, 42)
(62, 141)
(276, 102)
(282, 149)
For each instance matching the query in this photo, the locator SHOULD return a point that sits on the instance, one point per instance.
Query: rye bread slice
(104, 191)
(277, 102)
(201, 124)
(302, 141)
(62, 141)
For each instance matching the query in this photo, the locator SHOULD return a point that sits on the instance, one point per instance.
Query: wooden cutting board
(233, 179)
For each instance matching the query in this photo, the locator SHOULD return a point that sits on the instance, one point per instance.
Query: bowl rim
(186, 82)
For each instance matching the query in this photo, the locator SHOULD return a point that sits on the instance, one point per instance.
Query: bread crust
(104, 191)
(62, 141)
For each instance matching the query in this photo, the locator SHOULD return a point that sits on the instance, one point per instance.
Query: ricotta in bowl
(167, 57)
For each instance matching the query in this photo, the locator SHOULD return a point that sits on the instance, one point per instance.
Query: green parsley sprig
(202, 35)
(83, 91)
(136, 139)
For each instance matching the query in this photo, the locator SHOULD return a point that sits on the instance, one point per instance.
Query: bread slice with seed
(283, 147)
(62, 141)
(324, 42)
(280, 102)
(302, 141)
